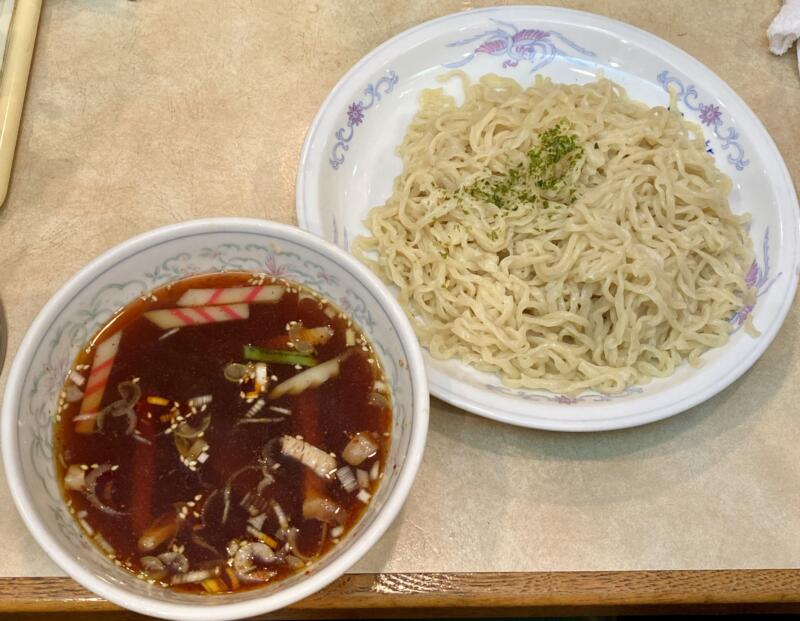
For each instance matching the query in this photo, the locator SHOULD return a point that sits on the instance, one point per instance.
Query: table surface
(141, 114)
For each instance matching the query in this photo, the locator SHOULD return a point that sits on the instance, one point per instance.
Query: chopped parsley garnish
(547, 168)
(556, 155)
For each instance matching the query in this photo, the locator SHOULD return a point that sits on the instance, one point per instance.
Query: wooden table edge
(487, 594)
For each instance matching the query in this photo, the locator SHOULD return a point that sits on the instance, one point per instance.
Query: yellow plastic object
(14, 81)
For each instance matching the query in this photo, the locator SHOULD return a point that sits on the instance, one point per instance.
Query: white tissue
(785, 28)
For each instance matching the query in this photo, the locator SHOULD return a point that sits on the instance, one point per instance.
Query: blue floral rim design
(529, 45)
(355, 116)
(709, 115)
(757, 278)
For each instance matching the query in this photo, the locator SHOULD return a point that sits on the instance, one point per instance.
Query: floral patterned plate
(131, 269)
(348, 165)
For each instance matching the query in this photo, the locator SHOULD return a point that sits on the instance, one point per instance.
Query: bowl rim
(385, 515)
(440, 385)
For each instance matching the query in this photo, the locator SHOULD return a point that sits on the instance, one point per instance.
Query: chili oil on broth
(174, 492)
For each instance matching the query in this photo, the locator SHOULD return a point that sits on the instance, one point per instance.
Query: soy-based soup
(222, 432)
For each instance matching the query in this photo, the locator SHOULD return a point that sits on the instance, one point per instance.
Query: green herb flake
(547, 167)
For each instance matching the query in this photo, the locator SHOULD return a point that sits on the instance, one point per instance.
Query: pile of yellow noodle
(642, 267)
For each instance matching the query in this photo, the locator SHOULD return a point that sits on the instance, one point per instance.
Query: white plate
(348, 164)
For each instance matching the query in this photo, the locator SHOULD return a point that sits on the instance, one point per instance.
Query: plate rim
(779, 178)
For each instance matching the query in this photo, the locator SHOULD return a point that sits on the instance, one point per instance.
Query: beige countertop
(141, 114)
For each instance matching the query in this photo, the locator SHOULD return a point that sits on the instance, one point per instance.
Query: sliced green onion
(235, 372)
(278, 356)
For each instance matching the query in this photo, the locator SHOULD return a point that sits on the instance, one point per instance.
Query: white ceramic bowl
(349, 159)
(142, 263)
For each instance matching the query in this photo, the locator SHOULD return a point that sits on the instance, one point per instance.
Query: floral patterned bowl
(88, 300)
(350, 159)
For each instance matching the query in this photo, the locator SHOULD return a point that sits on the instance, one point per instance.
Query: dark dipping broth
(186, 457)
